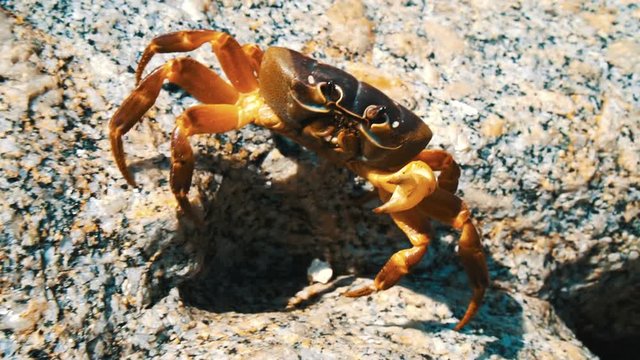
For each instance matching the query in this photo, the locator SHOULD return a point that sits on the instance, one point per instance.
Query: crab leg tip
(472, 309)
(126, 173)
(363, 291)
(185, 208)
(118, 154)
(130, 180)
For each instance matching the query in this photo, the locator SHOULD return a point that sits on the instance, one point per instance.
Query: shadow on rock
(263, 230)
(500, 315)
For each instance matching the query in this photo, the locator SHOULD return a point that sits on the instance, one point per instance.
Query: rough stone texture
(537, 100)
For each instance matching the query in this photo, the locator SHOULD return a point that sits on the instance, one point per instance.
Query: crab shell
(402, 138)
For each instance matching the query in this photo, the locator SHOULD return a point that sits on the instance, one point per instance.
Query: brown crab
(326, 110)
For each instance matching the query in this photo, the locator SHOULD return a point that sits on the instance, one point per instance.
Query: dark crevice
(603, 312)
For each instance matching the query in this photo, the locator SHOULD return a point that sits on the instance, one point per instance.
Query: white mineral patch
(319, 271)
(625, 54)
(22, 318)
(196, 8)
(9, 148)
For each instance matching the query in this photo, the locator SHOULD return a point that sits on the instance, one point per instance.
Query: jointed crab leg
(416, 227)
(440, 160)
(254, 53)
(204, 84)
(475, 265)
(199, 119)
(240, 64)
(234, 61)
(411, 196)
(401, 191)
(451, 210)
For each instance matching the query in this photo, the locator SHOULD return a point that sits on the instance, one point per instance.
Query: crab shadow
(264, 227)
(443, 279)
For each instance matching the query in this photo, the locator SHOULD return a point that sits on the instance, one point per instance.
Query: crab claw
(409, 186)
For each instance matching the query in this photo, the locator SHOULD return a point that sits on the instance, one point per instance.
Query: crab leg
(198, 80)
(237, 65)
(254, 53)
(440, 160)
(450, 209)
(400, 191)
(416, 227)
(199, 119)
(410, 205)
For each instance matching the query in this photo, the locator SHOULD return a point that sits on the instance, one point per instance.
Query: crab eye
(376, 114)
(330, 91)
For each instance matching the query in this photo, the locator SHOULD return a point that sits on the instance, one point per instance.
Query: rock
(533, 100)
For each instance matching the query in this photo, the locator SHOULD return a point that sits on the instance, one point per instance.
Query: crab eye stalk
(376, 114)
(308, 97)
(331, 92)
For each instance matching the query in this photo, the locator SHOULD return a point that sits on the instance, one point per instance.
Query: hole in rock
(605, 314)
(263, 231)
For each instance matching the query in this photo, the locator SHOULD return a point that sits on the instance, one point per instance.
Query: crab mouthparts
(328, 107)
(373, 138)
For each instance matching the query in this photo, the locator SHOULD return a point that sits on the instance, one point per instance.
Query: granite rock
(536, 100)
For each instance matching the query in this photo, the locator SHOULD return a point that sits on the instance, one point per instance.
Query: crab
(326, 110)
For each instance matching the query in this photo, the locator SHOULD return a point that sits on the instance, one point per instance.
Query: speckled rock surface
(537, 100)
